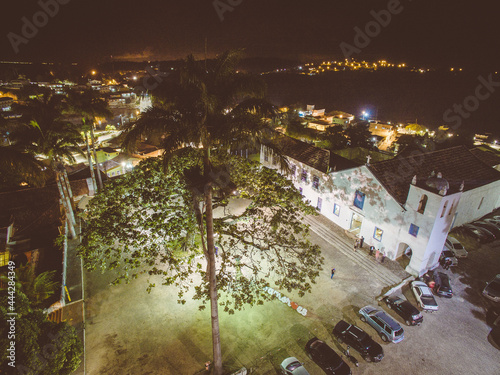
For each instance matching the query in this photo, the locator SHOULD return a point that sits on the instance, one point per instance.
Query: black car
(494, 337)
(358, 340)
(480, 234)
(411, 315)
(489, 227)
(442, 285)
(493, 316)
(326, 358)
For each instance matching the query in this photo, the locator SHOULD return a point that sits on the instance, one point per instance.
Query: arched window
(422, 204)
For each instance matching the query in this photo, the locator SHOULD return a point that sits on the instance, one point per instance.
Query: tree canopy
(145, 222)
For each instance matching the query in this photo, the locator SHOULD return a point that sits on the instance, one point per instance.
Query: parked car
(445, 255)
(424, 296)
(495, 231)
(480, 234)
(411, 315)
(492, 289)
(326, 358)
(494, 337)
(292, 366)
(442, 285)
(387, 328)
(495, 222)
(359, 340)
(493, 316)
(453, 245)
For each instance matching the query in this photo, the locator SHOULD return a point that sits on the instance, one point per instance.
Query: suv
(387, 328)
(359, 340)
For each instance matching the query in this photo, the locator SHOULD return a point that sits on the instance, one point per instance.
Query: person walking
(372, 249)
(361, 242)
(447, 264)
(383, 257)
(333, 273)
(377, 254)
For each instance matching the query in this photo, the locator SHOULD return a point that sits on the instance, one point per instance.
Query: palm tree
(16, 164)
(88, 106)
(45, 133)
(36, 287)
(202, 109)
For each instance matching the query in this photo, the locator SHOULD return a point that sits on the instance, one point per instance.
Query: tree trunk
(214, 307)
(67, 209)
(92, 138)
(69, 202)
(66, 180)
(91, 165)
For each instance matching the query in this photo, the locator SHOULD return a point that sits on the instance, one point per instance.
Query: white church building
(405, 205)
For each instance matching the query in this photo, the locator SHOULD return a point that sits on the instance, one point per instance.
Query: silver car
(423, 295)
(387, 328)
(455, 247)
(492, 289)
(292, 366)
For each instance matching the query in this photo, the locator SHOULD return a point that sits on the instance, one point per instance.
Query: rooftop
(317, 158)
(487, 155)
(456, 164)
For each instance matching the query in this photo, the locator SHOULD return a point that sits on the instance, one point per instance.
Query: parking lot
(132, 332)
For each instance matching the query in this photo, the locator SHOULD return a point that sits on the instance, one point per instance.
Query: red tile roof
(456, 164)
(315, 157)
(490, 158)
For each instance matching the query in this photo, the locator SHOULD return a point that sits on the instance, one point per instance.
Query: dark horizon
(420, 33)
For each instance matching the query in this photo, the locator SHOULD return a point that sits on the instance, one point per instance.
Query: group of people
(358, 244)
(379, 255)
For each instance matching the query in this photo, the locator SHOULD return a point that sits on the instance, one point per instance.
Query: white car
(455, 247)
(292, 366)
(424, 296)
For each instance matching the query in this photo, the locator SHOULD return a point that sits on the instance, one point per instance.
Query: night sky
(424, 32)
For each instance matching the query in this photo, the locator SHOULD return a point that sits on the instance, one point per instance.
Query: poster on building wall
(359, 199)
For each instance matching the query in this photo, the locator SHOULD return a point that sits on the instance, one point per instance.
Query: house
(144, 150)
(402, 206)
(6, 233)
(106, 153)
(6, 103)
(381, 130)
(119, 165)
(487, 155)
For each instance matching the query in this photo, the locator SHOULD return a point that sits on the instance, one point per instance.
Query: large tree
(17, 165)
(206, 106)
(150, 222)
(89, 107)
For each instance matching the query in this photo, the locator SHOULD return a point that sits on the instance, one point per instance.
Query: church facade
(403, 206)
